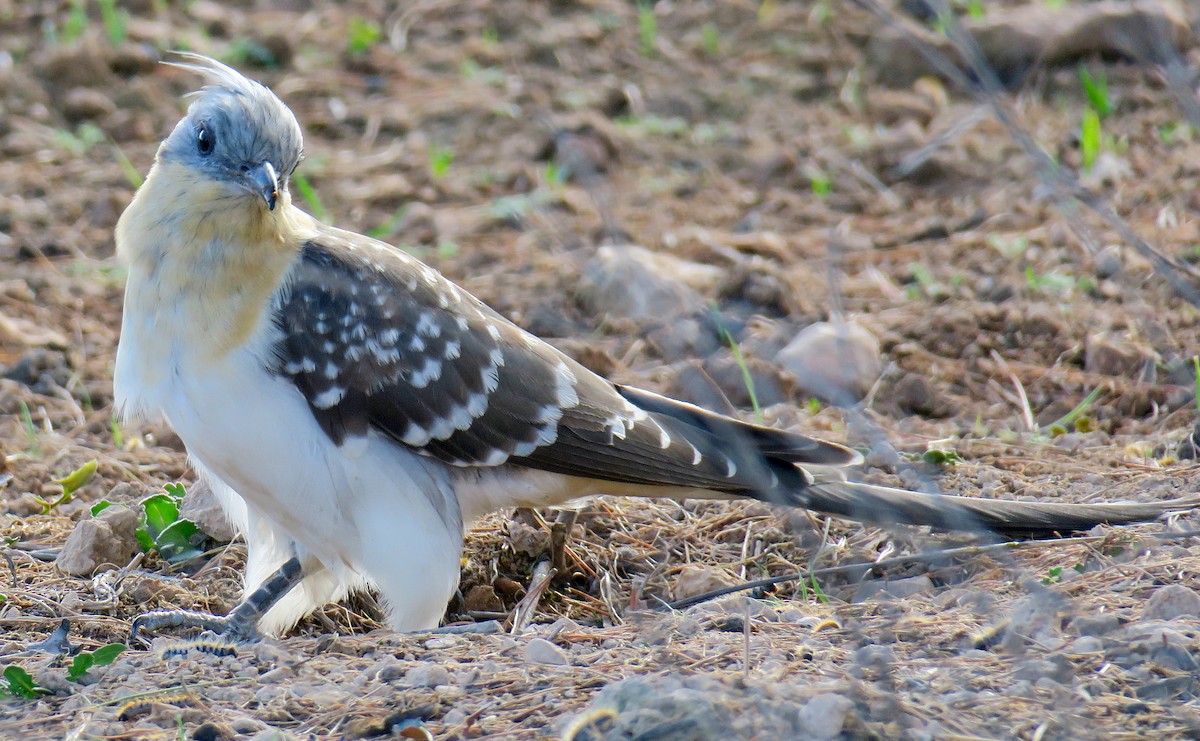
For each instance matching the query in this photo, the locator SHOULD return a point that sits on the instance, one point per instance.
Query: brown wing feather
(375, 339)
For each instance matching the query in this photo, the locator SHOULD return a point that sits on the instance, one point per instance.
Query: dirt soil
(506, 143)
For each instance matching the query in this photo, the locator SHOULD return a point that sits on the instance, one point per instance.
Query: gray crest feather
(218, 75)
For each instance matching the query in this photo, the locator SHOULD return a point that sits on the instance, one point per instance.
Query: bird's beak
(264, 182)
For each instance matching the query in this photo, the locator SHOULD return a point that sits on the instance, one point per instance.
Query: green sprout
(309, 194)
(747, 378)
(1073, 417)
(647, 28)
(70, 484)
(163, 530)
(76, 22)
(17, 682)
(85, 660)
(1090, 138)
(710, 39)
(1096, 90)
(363, 34)
(440, 159)
(116, 21)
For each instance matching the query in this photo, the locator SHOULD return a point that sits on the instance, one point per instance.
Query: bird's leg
(241, 625)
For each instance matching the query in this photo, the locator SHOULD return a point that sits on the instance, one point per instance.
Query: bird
(354, 411)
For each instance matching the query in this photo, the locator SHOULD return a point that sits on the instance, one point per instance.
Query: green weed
(362, 36)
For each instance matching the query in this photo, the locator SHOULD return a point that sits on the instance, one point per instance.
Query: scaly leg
(241, 625)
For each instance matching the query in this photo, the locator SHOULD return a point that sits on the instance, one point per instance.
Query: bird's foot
(235, 628)
(241, 625)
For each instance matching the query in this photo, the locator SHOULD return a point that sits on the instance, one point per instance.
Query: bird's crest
(217, 75)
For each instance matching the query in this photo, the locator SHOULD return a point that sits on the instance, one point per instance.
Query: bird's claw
(230, 628)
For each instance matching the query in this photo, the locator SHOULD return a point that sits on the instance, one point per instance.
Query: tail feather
(881, 504)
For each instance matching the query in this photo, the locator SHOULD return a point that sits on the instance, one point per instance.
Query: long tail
(881, 504)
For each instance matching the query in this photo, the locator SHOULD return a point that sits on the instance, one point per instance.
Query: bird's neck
(205, 256)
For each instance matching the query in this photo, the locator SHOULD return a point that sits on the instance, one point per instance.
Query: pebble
(427, 675)
(892, 589)
(836, 362)
(1171, 602)
(695, 579)
(630, 282)
(201, 507)
(541, 651)
(824, 716)
(108, 538)
(441, 642)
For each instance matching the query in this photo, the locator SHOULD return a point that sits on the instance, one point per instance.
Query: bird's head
(238, 137)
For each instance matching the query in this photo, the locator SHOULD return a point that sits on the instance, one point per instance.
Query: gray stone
(893, 589)
(1170, 602)
(1095, 625)
(836, 362)
(201, 507)
(824, 716)
(633, 283)
(541, 651)
(108, 538)
(427, 675)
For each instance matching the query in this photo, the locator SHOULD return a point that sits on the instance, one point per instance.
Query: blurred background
(958, 237)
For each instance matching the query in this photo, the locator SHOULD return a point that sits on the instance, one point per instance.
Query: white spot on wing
(566, 394)
(427, 325)
(328, 398)
(696, 457)
(415, 436)
(453, 349)
(331, 370)
(730, 468)
(494, 457)
(429, 372)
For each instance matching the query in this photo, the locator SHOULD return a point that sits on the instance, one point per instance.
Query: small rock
(824, 716)
(694, 579)
(894, 589)
(201, 507)
(427, 675)
(1095, 625)
(1111, 354)
(108, 538)
(1108, 262)
(631, 282)
(483, 598)
(1087, 645)
(1013, 40)
(837, 362)
(541, 651)
(1171, 602)
(528, 540)
(82, 103)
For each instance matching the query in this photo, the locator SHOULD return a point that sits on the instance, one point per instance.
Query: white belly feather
(356, 514)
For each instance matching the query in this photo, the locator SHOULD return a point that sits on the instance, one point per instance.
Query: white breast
(367, 512)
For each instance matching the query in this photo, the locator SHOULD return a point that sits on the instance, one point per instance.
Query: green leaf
(106, 655)
(80, 666)
(175, 542)
(100, 506)
(76, 479)
(938, 457)
(144, 539)
(176, 490)
(21, 684)
(161, 512)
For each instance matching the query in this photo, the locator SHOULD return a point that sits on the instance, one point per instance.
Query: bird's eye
(205, 141)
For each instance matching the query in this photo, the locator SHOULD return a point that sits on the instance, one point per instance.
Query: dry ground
(505, 142)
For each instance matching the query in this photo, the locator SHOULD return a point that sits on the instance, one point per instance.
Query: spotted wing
(373, 338)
